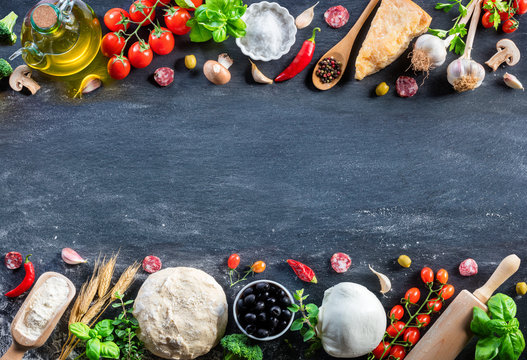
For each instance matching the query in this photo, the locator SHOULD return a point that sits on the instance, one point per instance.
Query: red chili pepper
(29, 279)
(301, 60)
(303, 271)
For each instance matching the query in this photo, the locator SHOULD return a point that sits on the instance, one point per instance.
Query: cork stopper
(44, 16)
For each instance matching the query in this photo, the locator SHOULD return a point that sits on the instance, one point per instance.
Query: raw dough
(182, 313)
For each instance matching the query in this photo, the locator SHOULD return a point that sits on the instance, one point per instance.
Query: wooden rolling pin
(451, 332)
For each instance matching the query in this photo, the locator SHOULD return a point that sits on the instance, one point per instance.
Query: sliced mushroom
(508, 52)
(21, 78)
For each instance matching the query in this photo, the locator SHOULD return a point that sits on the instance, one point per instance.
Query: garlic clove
(306, 17)
(386, 284)
(90, 83)
(225, 60)
(258, 76)
(512, 81)
(71, 257)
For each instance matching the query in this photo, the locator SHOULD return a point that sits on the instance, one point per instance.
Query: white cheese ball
(182, 313)
(351, 321)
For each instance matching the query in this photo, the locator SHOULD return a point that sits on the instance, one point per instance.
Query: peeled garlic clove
(225, 60)
(386, 284)
(258, 76)
(71, 257)
(512, 81)
(303, 20)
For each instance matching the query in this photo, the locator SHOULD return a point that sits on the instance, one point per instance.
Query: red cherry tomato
(383, 348)
(197, 3)
(118, 67)
(434, 304)
(411, 335)
(397, 312)
(142, 9)
(112, 44)
(397, 352)
(394, 329)
(176, 20)
(510, 26)
(427, 275)
(520, 6)
(258, 267)
(165, 2)
(162, 41)
(423, 320)
(117, 19)
(413, 295)
(506, 15)
(140, 54)
(442, 276)
(233, 261)
(447, 291)
(485, 20)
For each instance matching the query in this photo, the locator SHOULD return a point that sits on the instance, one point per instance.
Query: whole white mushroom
(351, 320)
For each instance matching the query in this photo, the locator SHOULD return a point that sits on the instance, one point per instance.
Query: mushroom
(507, 52)
(217, 72)
(21, 78)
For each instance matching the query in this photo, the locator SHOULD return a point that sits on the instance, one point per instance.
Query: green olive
(521, 288)
(382, 89)
(404, 261)
(190, 62)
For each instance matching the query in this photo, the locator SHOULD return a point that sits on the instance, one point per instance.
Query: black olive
(263, 295)
(282, 325)
(273, 322)
(271, 301)
(262, 333)
(249, 318)
(262, 317)
(247, 291)
(281, 293)
(286, 314)
(250, 329)
(285, 301)
(240, 305)
(249, 299)
(262, 286)
(260, 305)
(275, 311)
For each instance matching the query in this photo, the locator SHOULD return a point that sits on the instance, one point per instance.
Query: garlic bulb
(465, 74)
(429, 53)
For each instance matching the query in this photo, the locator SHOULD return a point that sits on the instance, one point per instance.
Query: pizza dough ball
(182, 313)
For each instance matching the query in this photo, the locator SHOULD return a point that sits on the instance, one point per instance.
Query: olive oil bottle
(60, 37)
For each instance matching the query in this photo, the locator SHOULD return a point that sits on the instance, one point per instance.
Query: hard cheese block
(396, 23)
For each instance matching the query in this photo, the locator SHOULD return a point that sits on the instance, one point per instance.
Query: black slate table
(195, 171)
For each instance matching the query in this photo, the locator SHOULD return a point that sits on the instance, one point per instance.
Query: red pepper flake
(303, 271)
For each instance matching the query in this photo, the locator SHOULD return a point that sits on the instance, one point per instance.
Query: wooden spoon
(21, 343)
(341, 51)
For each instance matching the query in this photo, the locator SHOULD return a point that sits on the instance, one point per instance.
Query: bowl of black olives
(260, 310)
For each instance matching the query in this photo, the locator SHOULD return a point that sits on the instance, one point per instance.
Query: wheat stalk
(105, 276)
(124, 282)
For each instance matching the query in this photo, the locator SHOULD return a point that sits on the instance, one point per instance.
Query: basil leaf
(109, 350)
(487, 348)
(514, 324)
(215, 4)
(213, 25)
(93, 334)
(478, 325)
(93, 349)
(220, 34)
(502, 307)
(235, 32)
(518, 342)
(200, 34)
(240, 9)
(104, 328)
(80, 330)
(506, 351)
(185, 4)
(238, 23)
(215, 15)
(498, 326)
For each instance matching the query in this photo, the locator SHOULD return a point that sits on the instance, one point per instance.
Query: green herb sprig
(459, 30)
(125, 332)
(98, 340)
(307, 322)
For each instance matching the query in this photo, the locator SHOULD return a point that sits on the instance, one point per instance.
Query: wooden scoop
(21, 343)
(341, 51)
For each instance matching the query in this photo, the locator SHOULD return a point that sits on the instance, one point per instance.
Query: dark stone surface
(194, 172)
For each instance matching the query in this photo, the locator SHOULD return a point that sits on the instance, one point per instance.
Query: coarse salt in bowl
(271, 31)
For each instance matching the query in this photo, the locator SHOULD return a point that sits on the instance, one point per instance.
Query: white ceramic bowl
(252, 43)
(235, 311)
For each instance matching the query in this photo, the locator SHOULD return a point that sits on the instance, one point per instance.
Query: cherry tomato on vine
(510, 26)
(118, 67)
(176, 20)
(197, 3)
(140, 54)
(397, 312)
(117, 19)
(165, 2)
(427, 275)
(413, 295)
(397, 352)
(447, 291)
(411, 335)
(434, 304)
(506, 15)
(442, 276)
(485, 20)
(422, 319)
(233, 261)
(161, 40)
(142, 9)
(383, 347)
(258, 266)
(112, 44)
(520, 6)
(395, 328)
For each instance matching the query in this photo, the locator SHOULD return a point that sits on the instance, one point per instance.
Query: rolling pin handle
(13, 353)
(505, 270)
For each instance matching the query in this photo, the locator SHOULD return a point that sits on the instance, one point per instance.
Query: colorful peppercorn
(328, 69)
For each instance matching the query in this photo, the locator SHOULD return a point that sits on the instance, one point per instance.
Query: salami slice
(164, 76)
(13, 260)
(340, 262)
(336, 16)
(468, 267)
(406, 86)
(151, 264)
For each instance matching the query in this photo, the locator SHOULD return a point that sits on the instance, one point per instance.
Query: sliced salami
(164, 76)
(468, 267)
(336, 16)
(151, 264)
(340, 262)
(406, 86)
(13, 260)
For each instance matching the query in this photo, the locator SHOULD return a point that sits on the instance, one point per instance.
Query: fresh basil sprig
(97, 344)
(498, 332)
(217, 19)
